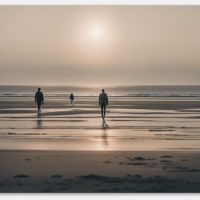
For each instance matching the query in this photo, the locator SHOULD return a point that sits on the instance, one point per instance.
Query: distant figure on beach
(71, 98)
(39, 99)
(103, 102)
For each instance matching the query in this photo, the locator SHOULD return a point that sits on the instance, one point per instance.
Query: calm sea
(136, 92)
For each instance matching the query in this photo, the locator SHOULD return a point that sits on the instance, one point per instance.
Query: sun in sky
(97, 32)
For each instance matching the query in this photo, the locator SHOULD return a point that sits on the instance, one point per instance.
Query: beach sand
(145, 146)
(99, 171)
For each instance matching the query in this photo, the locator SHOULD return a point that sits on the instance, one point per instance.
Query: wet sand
(145, 146)
(130, 125)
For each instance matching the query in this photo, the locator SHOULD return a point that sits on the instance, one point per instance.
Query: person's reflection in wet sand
(104, 135)
(39, 121)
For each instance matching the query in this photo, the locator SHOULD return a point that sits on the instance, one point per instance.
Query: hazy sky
(100, 45)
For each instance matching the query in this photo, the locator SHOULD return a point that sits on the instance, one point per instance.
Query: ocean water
(133, 92)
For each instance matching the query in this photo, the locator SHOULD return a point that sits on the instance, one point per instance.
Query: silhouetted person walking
(71, 98)
(39, 99)
(103, 102)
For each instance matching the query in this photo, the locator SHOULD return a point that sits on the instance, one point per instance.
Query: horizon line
(95, 86)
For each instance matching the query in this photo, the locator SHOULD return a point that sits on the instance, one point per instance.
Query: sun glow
(96, 32)
(95, 39)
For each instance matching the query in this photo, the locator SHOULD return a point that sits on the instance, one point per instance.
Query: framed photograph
(99, 98)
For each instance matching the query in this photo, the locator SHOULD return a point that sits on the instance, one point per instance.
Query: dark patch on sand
(139, 164)
(184, 160)
(93, 177)
(135, 158)
(56, 176)
(106, 179)
(139, 160)
(167, 156)
(11, 133)
(134, 183)
(21, 176)
(136, 163)
(165, 161)
(135, 176)
(179, 169)
(107, 162)
(155, 130)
